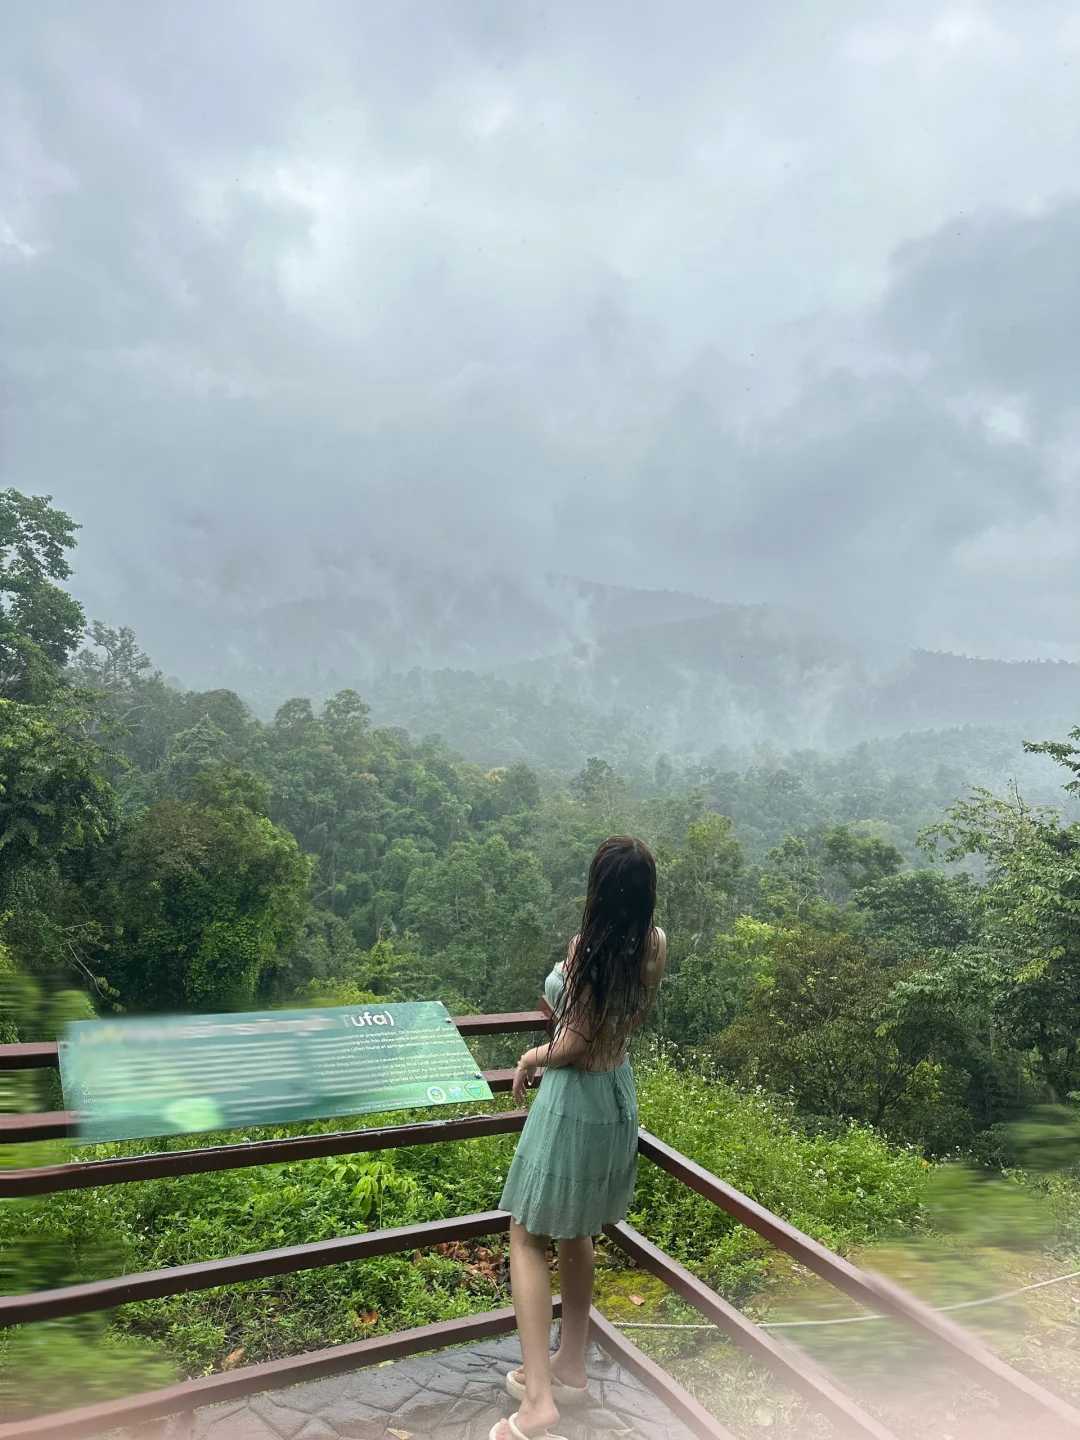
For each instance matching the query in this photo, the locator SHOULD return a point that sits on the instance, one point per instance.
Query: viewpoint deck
(453, 1395)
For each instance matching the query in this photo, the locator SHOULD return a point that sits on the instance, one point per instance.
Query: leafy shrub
(841, 1189)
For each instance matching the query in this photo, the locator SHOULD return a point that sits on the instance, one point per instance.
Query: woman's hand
(523, 1076)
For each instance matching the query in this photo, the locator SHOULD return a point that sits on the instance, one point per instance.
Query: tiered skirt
(575, 1165)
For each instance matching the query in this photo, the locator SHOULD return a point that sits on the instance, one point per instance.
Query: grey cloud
(995, 300)
(304, 299)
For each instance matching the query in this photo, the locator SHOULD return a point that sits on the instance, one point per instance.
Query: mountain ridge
(692, 671)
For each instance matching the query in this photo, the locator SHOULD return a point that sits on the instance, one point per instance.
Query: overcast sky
(770, 302)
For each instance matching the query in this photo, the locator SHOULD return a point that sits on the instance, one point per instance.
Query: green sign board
(128, 1079)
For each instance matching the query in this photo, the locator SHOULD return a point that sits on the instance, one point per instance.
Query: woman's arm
(568, 1047)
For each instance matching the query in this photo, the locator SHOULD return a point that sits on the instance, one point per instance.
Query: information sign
(127, 1079)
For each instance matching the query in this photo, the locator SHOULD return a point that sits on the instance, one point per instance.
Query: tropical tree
(40, 623)
(815, 1030)
(701, 882)
(205, 893)
(483, 910)
(1029, 918)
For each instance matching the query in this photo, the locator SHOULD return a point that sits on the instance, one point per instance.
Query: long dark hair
(605, 990)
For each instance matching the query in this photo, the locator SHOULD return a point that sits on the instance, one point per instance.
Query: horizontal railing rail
(90, 1420)
(36, 1125)
(62, 1125)
(89, 1174)
(206, 1274)
(39, 1056)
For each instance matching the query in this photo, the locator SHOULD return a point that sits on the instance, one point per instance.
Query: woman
(575, 1165)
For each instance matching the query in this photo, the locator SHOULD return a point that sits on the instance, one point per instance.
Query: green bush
(842, 1189)
(57, 1241)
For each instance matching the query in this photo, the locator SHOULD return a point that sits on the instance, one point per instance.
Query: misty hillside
(934, 689)
(396, 618)
(734, 678)
(752, 675)
(556, 669)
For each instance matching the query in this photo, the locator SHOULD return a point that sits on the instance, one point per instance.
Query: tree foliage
(206, 893)
(170, 848)
(40, 623)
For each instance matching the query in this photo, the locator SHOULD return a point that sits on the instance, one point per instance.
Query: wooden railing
(1034, 1405)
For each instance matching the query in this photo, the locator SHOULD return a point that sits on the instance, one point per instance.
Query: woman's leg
(576, 1264)
(530, 1281)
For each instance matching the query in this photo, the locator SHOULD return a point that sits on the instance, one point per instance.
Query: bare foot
(569, 1371)
(561, 1371)
(530, 1420)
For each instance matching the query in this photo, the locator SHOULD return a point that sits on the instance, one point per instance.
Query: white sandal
(518, 1433)
(560, 1393)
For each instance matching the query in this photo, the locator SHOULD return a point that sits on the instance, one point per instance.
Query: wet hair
(604, 991)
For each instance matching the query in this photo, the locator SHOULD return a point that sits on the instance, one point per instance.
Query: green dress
(575, 1165)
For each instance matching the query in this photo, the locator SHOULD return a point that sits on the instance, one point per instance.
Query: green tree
(483, 910)
(714, 985)
(136, 712)
(701, 882)
(347, 720)
(810, 877)
(919, 912)
(112, 662)
(326, 792)
(1029, 913)
(852, 859)
(53, 798)
(519, 791)
(206, 892)
(941, 1012)
(598, 787)
(792, 884)
(816, 1030)
(57, 811)
(40, 623)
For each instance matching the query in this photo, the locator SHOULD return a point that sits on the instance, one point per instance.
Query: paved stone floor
(452, 1395)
